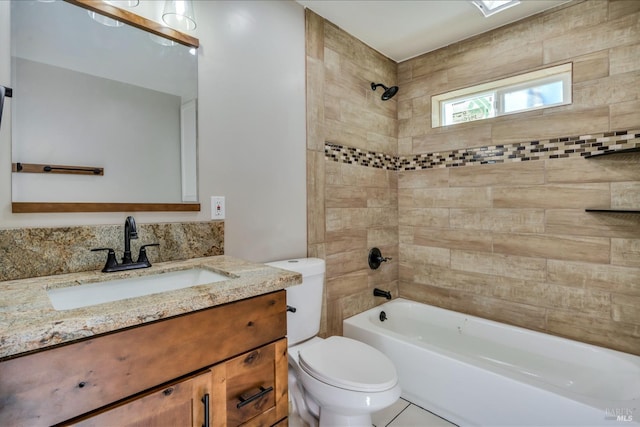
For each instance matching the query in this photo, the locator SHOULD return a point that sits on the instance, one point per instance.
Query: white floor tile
(384, 417)
(415, 416)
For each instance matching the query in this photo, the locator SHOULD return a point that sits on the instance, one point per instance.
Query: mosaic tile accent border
(554, 148)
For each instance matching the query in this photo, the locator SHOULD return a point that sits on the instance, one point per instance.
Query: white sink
(115, 290)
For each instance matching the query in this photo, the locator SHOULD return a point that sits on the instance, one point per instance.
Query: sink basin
(115, 290)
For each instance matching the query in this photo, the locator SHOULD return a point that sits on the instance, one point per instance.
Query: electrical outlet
(217, 207)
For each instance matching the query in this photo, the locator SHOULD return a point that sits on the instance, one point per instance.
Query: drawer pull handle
(246, 400)
(205, 400)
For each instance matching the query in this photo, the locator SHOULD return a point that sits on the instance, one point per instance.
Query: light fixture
(123, 3)
(104, 20)
(179, 15)
(110, 22)
(490, 7)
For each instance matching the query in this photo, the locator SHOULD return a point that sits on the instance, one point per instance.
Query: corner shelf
(608, 153)
(620, 211)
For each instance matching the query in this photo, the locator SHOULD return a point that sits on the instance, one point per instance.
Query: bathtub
(477, 372)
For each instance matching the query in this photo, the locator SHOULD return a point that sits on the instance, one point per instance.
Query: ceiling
(403, 29)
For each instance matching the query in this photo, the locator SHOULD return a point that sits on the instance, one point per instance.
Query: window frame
(499, 88)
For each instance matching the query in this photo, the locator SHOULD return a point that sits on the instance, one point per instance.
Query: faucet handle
(142, 256)
(111, 258)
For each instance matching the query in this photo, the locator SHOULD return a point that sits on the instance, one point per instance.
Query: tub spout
(380, 293)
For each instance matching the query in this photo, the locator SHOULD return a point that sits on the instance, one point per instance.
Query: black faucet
(380, 293)
(130, 232)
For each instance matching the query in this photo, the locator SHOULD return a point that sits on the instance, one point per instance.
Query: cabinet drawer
(255, 387)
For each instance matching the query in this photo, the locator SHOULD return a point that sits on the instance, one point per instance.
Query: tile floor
(401, 414)
(405, 414)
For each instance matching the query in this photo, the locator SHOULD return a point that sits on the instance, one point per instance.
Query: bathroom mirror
(116, 95)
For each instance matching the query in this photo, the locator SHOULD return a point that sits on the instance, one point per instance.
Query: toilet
(335, 381)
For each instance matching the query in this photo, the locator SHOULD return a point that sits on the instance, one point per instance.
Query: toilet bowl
(347, 379)
(335, 381)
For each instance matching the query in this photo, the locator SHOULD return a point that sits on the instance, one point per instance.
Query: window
(531, 91)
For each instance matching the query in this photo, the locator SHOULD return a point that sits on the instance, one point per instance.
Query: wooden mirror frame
(152, 27)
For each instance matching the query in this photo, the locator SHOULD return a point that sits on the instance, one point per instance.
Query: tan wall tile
(572, 324)
(579, 170)
(382, 197)
(624, 115)
(504, 62)
(424, 178)
(501, 220)
(592, 38)
(367, 177)
(342, 133)
(552, 196)
(345, 241)
(626, 252)
(345, 262)
(386, 236)
(507, 174)
(445, 139)
(582, 248)
(315, 104)
(338, 196)
(620, 8)
(580, 16)
(423, 217)
(626, 195)
(314, 40)
(604, 277)
(315, 197)
(416, 125)
(499, 264)
(347, 284)
(565, 123)
(579, 222)
(607, 90)
(421, 255)
(444, 197)
(590, 67)
(405, 146)
(625, 59)
(624, 308)
(473, 240)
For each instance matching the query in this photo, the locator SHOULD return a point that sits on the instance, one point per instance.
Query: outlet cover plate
(217, 207)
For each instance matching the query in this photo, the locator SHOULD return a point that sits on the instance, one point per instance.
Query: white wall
(251, 130)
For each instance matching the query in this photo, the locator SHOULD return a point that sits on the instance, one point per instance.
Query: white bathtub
(476, 372)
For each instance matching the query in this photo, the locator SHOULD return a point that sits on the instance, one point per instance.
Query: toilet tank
(306, 298)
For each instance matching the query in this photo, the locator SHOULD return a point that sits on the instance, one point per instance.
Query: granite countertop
(29, 322)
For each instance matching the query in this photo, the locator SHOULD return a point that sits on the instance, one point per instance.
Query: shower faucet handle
(376, 258)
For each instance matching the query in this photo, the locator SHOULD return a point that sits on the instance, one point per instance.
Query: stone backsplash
(36, 252)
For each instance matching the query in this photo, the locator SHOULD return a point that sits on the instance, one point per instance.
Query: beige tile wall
(350, 208)
(511, 241)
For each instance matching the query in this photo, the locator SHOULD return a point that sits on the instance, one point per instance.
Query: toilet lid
(349, 364)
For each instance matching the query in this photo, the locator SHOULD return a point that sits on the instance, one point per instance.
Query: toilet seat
(348, 364)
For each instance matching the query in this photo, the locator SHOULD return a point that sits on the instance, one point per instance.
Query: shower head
(389, 92)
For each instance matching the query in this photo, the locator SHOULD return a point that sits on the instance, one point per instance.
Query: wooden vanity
(226, 365)
(211, 355)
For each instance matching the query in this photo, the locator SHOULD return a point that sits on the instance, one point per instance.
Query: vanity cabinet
(226, 365)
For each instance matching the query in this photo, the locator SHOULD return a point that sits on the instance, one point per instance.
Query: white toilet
(338, 380)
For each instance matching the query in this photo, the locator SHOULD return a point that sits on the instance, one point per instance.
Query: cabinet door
(184, 403)
(253, 386)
